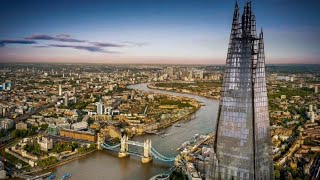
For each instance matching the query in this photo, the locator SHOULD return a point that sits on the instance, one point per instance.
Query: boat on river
(66, 176)
(152, 132)
(196, 135)
(184, 145)
(177, 125)
(51, 177)
(164, 135)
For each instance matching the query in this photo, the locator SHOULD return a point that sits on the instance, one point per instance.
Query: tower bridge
(149, 153)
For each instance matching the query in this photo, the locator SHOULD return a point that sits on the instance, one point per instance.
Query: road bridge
(149, 153)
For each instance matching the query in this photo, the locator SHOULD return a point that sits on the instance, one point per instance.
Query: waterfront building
(242, 147)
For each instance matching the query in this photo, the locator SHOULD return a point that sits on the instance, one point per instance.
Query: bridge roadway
(155, 154)
(135, 143)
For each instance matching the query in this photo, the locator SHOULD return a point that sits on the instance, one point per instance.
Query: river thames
(106, 165)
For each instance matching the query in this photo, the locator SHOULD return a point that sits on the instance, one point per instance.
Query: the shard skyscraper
(242, 147)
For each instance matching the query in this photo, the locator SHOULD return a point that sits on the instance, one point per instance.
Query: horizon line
(188, 64)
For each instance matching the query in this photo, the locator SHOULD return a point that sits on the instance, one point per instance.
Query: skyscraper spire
(242, 146)
(235, 21)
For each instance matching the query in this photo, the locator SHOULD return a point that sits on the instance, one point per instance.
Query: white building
(100, 107)
(66, 99)
(60, 90)
(310, 108)
(45, 143)
(312, 117)
(79, 125)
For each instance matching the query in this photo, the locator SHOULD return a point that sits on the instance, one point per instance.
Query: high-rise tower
(60, 90)
(242, 147)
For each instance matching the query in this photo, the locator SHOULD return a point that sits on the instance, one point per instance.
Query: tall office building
(74, 90)
(242, 147)
(100, 107)
(66, 99)
(60, 90)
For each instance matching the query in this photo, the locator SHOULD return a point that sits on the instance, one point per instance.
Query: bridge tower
(99, 141)
(146, 158)
(124, 147)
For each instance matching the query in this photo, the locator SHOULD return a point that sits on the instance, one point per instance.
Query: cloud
(88, 48)
(41, 46)
(66, 38)
(4, 42)
(60, 37)
(63, 35)
(135, 43)
(107, 44)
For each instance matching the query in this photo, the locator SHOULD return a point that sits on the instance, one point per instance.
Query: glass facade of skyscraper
(242, 147)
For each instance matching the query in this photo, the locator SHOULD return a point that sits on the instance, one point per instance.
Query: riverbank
(152, 86)
(60, 163)
(168, 123)
(183, 114)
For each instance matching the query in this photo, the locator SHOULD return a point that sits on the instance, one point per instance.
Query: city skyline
(144, 32)
(159, 89)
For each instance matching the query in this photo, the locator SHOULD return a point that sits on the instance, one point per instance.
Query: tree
(33, 148)
(44, 127)
(2, 133)
(47, 162)
(21, 133)
(277, 174)
(34, 128)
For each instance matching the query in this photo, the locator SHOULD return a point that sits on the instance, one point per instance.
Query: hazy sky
(151, 31)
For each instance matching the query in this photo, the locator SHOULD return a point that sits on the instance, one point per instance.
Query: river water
(107, 165)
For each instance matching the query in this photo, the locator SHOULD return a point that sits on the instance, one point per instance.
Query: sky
(151, 31)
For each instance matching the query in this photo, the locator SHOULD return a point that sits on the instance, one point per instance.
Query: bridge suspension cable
(107, 146)
(160, 156)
